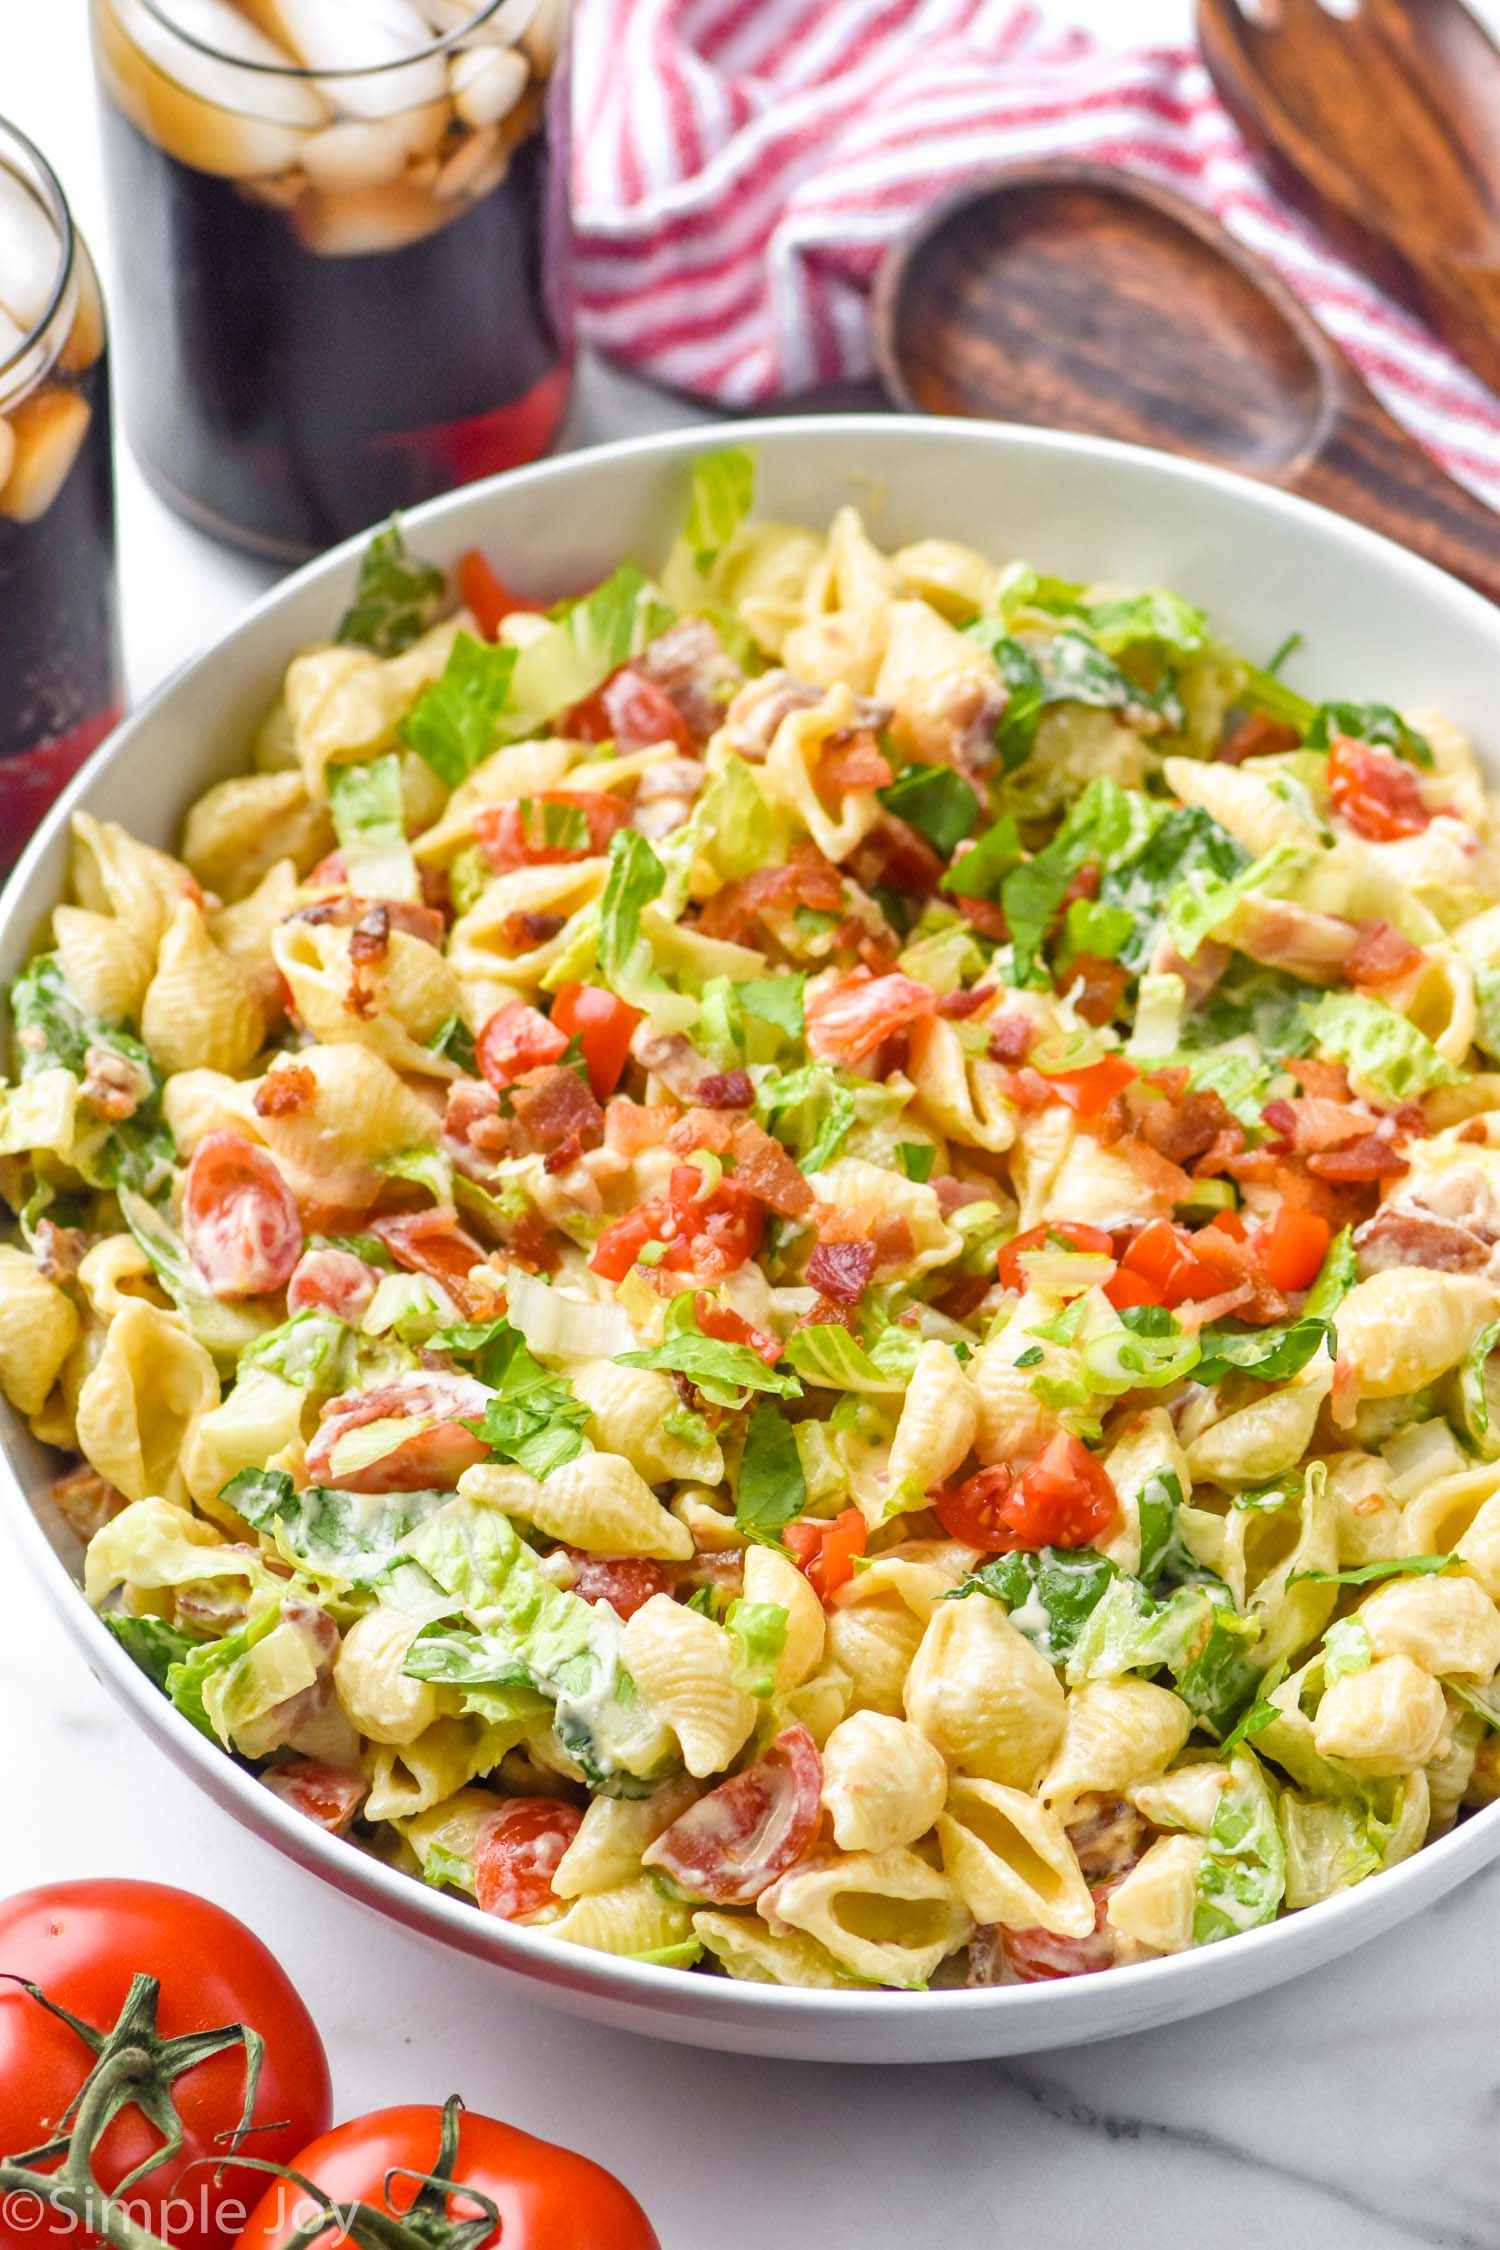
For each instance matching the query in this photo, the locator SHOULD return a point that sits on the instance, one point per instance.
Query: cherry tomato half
(734, 1842)
(485, 594)
(239, 1221)
(603, 1025)
(517, 1853)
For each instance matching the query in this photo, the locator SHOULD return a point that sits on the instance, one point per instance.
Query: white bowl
(1379, 624)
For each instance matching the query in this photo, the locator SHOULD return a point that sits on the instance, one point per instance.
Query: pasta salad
(793, 1269)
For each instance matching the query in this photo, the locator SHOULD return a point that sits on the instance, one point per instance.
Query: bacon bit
(726, 1089)
(520, 932)
(86, 1501)
(370, 937)
(113, 1086)
(807, 879)
(1241, 1273)
(1026, 1089)
(1374, 1158)
(960, 1004)
(954, 1194)
(1258, 736)
(762, 1166)
(1103, 983)
(529, 1244)
(688, 663)
(964, 1297)
(1419, 1238)
(285, 1092)
(1190, 1128)
(894, 1245)
(855, 763)
(827, 1312)
(349, 912)
(895, 856)
(630, 1126)
(59, 1251)
(854, 936)
(842, 1270)
(1329, 1081)
(1085, 884)
(1199, 1311)
(861, 1223)
(987, 918)
(1216, 1157)
(554, 1104)
(1012, 1037)
(1310, 1124)
(702, 1128)
(1382, 956)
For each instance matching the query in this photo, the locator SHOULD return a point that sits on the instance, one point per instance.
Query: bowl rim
(1174, 1984)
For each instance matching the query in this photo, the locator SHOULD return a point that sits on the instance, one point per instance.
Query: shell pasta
(796, 1270)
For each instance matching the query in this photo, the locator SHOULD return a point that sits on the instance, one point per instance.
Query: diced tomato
(623, 1240)
(1089, 1092)
(485, 594)
(631, 711)
(1292, 1248)
(603, 1025)
(726, 1326)
(734, 1842)
(847, 1021)
(1164, 1258)
(1380, 955)
(710, 1234)
(325, 1795)
(1077, 1237)
(1257, 736)
(1374, 791)
(239, 1220)
(825, 1552)
(433, 1242)
(516, 1039)
(1034, 1955)
(1230, 1223)
(1064, 1498)
(550, 829)
(517, 1852)
(1125, 1288)
(858, 763)
(333, 1281)
(626, 1582)
(974, 1511)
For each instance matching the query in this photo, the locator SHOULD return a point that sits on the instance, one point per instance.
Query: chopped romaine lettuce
(396, 599)
(1382, 1050)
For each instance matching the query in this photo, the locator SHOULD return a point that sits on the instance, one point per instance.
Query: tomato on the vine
(83, 1944)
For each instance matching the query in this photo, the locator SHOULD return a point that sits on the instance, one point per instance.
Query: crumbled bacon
(1186, 1129)
(285, 1092)
(848, 1019)
(1381, 956)
(349, 912)
(370, 936)
(1012, 1037)
(1258, 736)
(1374, 1158)
(58, 1251)
(806, 879)
(665, 795)
(964, 1297)
(1108, 1836)
(86, 1501)
(761, 1165)
(827, 1312)
(842, 1270)
(852, 761)
(894, 856)
(520, 932)
(113, 1086)
(687, 662)
(985, 916)
(1399, 1237)
(953, 1195)
(1103, 987)
(960, 1004)
(553, 1104)
(726, 1089)
(1310, 1124)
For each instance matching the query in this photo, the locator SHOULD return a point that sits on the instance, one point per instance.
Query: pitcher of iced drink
(342, 251)
(60, 684)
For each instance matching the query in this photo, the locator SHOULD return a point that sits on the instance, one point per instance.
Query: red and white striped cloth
(741, 165)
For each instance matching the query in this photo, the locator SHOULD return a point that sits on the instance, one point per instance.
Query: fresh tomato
(626, 1582)
(620, 1245)
(1035, 1956)
(603, 1026)
(631, 711)
(430, 1456)
(239, 1221)
(1064, 1498)
(1088, 1092)
(734, 1842)
(726, 1326)
(708, 1235)
(485, 594)
(334, 1281)
(1292, 1248)
(329, 1796)
(543, 2197)
(1125, 1288)
(847, 1021)
(517, 1038)
(975, 1511)
(82, 1944)
(1077, 1237)
(1163, 1257)
(549, 829)
(433, 1242)
(825, 1552)
(516, 1855)
(1374, 792)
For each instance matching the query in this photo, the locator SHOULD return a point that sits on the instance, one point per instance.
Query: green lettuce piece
(1049, 1593)
(454, 724)
(979, 873)
(1196, 1635)
(937, 802)
(772, 1488)
(1091, 927)
(1487, 997)
(396, 599)
(758, 1630)
(1068, 668)
(1330, 1846)
(534, 1420)
(1203, 900)
(1186, 843)
(830, 1359)
(1137, 1353)
(724, 1373)
(1155, 617)
(1334, 1279)
(1473, 1394)
(1163, 1553)
(750, 1019)
(579, 651)
(1219, 1679)
(426, 1167)
(916, 1159)
(150, 1643)
(53, 1032)
(1483, 1702)
(1271, 1355)
(1262, 1004)
(1379, 1046)
(808, 1110)
(636, 876)
(1107, 826)
(222, 1328)
(1369, 722)
(370, 823)
(1369, 1574)
(721, 496)
(346, 1538)
(188, 1677)
(1346, 1648)
(1242, 1879)
(313, 1349)
(735, 827)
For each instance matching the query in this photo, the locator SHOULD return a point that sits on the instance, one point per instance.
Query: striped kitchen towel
(742, 164)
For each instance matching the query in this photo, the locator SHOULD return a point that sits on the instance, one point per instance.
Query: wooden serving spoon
(1382, 120)
(1075, 296)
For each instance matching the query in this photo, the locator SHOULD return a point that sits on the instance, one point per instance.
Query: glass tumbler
(343, 251)
(60, 677)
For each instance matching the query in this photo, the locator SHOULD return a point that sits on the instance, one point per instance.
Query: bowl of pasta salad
(752, 1254)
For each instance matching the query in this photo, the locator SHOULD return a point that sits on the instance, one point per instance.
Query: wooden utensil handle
(1463, 303)
(1368, 468)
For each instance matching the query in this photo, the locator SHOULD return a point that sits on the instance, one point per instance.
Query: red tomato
(239, 1221)
(603, 1025)
(825, 1552)
(334, 1281)
(1374, 791)
(1292, 1248)
(1164, 1258)
(546, 2198)
(1064, 1497)
(433, 1242)
(629, 710)
(975, 1511)
(431, 1458)
(847, 1021)
(1126, 1288)
(710, 1234)
(1088, 1092)
(1078, 1237)
(485, 594)
(726, 1326)
(623, 1240)
(1034, 1956)
(554, 826)
(517, 1039)
(626, 1582)
(326, 1795)
(734, 1842)
(516, 1855)
(81, 1943)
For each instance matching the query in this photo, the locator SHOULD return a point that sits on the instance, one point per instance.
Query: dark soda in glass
(341, 228)
(60, 677)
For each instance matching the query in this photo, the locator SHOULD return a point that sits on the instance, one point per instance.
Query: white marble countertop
(1353, 2110)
